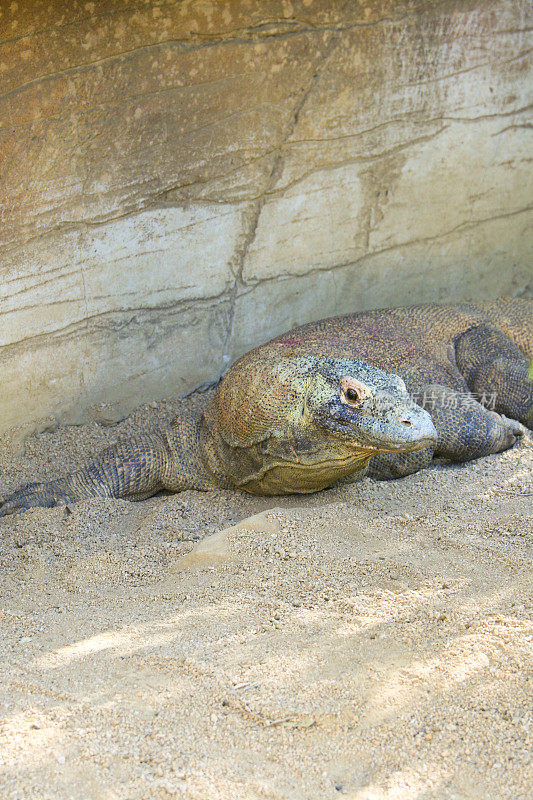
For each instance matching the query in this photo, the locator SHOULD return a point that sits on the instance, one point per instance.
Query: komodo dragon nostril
(406, 422)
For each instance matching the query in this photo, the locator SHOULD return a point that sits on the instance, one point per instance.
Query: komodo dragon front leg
(134, 469)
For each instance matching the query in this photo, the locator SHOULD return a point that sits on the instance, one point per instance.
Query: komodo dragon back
(386, 389)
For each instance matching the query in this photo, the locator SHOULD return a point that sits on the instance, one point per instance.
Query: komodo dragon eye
(354, 393)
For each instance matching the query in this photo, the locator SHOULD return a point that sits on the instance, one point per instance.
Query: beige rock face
(181, 181)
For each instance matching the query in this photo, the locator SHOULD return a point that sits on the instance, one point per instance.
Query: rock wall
(182, 180)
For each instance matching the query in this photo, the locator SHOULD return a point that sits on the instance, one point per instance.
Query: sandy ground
(369, 642)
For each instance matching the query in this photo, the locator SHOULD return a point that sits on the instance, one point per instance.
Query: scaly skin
(316, 405)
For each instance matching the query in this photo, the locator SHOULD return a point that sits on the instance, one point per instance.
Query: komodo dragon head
(284, 424)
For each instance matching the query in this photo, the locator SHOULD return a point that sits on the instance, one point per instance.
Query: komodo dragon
(314, 406)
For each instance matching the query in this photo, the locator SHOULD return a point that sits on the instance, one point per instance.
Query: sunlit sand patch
(29, 736)
(129, 640)
(407, 784)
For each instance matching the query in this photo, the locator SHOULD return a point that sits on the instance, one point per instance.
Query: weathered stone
(181, 181)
